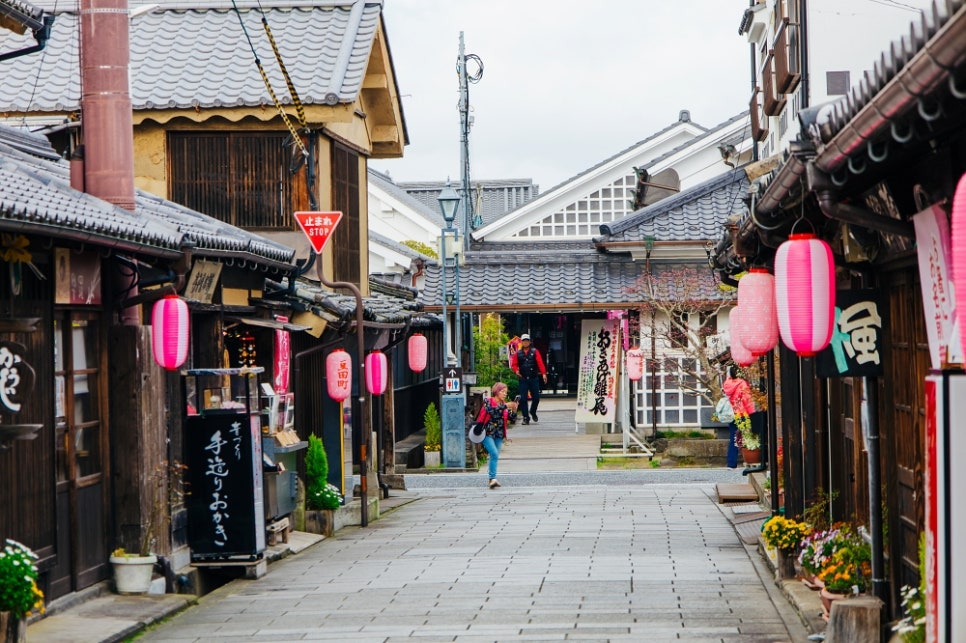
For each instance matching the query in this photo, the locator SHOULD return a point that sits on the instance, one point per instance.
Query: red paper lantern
(958, 249)
(805, 293)
(740, 354)
(377, 372)
(759, 329)
(417, 352)
(635, 364)
(338, 374)
(169, 338)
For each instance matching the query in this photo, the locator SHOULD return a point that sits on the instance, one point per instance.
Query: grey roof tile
(36, 198)
(499, 197)
(176, 54)
(694, 214)
(551, 275)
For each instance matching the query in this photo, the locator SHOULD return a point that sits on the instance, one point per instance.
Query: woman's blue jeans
(492, 447)
(732, 448)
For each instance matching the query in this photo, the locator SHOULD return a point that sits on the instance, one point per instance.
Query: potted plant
(747, 440)
(321, 497)
(133, 571)
(19, 594)
(434, 436)
(847, 569)
(785, 535)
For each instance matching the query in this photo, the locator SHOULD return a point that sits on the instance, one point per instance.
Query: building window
(247, 179)
(345, 198)
(582, 217)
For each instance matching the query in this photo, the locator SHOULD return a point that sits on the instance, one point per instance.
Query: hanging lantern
(958, 247)
(756, 293)
(805, 293)
(417, 352)
(740, 354)
(635, 364)
(169, 339)
(338, 374)
(377, 372)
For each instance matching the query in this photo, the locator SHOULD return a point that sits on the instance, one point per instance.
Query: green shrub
(319, 494)
(434, 428)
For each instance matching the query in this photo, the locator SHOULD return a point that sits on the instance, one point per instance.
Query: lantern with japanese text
(740, 354)
(417, 352)
(958, 247)
(338, 374)
(759, 327)
(169, 338)
(635, 364)
(805, 293)
(377, 373)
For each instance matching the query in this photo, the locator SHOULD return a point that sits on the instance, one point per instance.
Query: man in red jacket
(528, 365)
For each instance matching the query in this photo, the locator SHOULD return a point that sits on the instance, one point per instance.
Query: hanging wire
(268, 84)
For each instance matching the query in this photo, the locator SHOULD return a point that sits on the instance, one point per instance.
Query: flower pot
(12, 629)
(751, 456)
(430, 459)
(132, 574)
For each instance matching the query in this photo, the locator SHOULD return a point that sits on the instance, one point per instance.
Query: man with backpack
(528, 365)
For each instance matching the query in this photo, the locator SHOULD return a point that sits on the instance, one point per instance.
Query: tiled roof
(549, 276)
(498, 197)
(186, 55)
(694, 214)
(339, 309)
(36, 198)
(418, 206)
(402, 249)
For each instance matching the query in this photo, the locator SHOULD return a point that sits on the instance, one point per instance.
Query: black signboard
(225, 507)
(856, 346)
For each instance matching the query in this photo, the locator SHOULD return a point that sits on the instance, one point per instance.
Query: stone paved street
(593, 562)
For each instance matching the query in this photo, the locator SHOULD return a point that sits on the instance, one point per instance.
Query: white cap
(525, 336)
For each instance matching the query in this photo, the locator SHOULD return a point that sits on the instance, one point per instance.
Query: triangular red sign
(318, 226)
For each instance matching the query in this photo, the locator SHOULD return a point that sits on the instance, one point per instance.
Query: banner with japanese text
(856, 346)
(597, 370)
(933, 243)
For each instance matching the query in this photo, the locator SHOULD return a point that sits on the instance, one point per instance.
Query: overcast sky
(568, 83)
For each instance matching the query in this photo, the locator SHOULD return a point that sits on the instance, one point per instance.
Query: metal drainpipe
(361, 376)
(871, 389)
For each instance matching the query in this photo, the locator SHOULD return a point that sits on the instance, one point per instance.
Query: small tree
(434, 428)
(492, 366)
(319, 494)
(678, 309)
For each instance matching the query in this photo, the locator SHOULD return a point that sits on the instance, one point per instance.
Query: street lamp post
(452, 407)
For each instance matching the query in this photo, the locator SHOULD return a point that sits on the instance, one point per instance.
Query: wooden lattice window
(345, 198)
(247, 179)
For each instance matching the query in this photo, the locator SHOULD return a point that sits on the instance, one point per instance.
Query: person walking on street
(739, 394)
(497, 413)
(531, 371)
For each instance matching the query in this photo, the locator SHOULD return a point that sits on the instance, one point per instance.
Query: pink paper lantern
(958, 249)
(805, 293)
(377, 372)
(338, 374)
(417, 352)
(740, 354)
(759, 329)
(635, 364)
(169, 339)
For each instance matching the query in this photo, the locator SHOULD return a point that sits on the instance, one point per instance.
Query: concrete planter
(132, 574)
(431, 459)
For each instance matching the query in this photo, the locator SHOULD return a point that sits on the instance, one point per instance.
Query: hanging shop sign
(938, 293)
(856, 346)
(597, 378)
